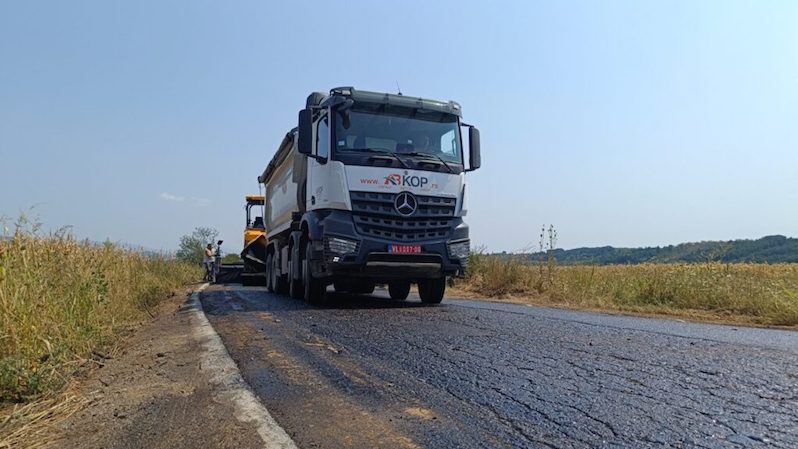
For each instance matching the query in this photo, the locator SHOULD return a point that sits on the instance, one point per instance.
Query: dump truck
(254, 253)
(369, 189)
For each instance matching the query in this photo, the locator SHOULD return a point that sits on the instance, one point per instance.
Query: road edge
(232, 388)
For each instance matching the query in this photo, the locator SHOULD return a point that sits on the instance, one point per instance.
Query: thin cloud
(193, 201)
(200, 202)
(170, 197)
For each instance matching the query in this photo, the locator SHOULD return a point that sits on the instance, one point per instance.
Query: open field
(763, 294)
(64, 303)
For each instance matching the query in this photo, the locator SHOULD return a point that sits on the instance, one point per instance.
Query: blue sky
(621, 123)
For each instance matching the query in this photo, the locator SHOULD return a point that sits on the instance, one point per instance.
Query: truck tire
(278, 280)
(315, 289)
(269, 277)
(295, 286)
(399, 290)
(431, 290)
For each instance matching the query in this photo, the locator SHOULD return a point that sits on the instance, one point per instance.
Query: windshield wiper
(416, 153)
(378, 151)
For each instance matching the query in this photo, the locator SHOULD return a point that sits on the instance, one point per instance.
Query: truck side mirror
(305, 143)
(473, 148)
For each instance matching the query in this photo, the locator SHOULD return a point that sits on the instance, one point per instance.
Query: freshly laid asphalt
(370, 372)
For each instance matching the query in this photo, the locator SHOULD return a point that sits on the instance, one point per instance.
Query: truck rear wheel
(269, 273)
(295, 286)
(431, 290)
(315, 289)
(278, 280)
(399, 290)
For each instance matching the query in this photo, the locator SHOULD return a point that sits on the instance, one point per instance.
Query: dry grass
(62, 301)
(753, 293)
(34, 425)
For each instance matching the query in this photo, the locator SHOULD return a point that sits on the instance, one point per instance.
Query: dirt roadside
(155, 393)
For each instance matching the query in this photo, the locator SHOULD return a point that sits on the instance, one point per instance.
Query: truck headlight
(460, 250)
(338, 245)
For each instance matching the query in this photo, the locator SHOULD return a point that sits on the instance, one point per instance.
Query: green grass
(764, 294)
(61, 299)
(231, 259)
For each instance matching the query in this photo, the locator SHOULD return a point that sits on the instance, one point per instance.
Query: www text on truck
(369, 188)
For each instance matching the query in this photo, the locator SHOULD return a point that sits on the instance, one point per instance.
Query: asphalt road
(370, 372)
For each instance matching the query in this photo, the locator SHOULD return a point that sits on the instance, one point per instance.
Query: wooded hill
(770, 249)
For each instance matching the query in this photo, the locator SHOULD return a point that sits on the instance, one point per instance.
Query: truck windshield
(411, 132)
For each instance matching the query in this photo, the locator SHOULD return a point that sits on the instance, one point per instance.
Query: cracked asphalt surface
(370, 372)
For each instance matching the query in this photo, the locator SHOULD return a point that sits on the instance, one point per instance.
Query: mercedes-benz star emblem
(405, 203)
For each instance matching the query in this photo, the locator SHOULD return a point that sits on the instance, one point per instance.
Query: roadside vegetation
(763, 294)
(192, 245)
(64, 303)
(231, 258)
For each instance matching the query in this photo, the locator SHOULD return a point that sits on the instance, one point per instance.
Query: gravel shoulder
(156, 393)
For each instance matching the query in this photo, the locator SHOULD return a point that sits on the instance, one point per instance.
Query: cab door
(326, 178)
(316, 194)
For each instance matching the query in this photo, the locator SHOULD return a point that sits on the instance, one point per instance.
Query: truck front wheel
(315, 289)
(399, 290)
(431, 290)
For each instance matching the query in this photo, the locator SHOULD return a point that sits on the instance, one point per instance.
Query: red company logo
(394, 179)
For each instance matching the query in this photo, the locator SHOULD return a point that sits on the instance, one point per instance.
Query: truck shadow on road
(258, 298)
(337, 300)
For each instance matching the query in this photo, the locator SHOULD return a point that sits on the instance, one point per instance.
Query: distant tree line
(770, 249)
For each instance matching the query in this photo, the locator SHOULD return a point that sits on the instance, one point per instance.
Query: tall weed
(62, 299)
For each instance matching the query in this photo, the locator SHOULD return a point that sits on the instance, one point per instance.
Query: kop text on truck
(369, 188)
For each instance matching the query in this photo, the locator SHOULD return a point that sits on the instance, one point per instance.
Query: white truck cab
(370, 188)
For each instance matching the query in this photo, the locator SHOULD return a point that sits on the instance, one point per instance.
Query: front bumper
(370, 257)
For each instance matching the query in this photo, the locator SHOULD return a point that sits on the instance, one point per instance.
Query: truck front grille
(374, 215)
